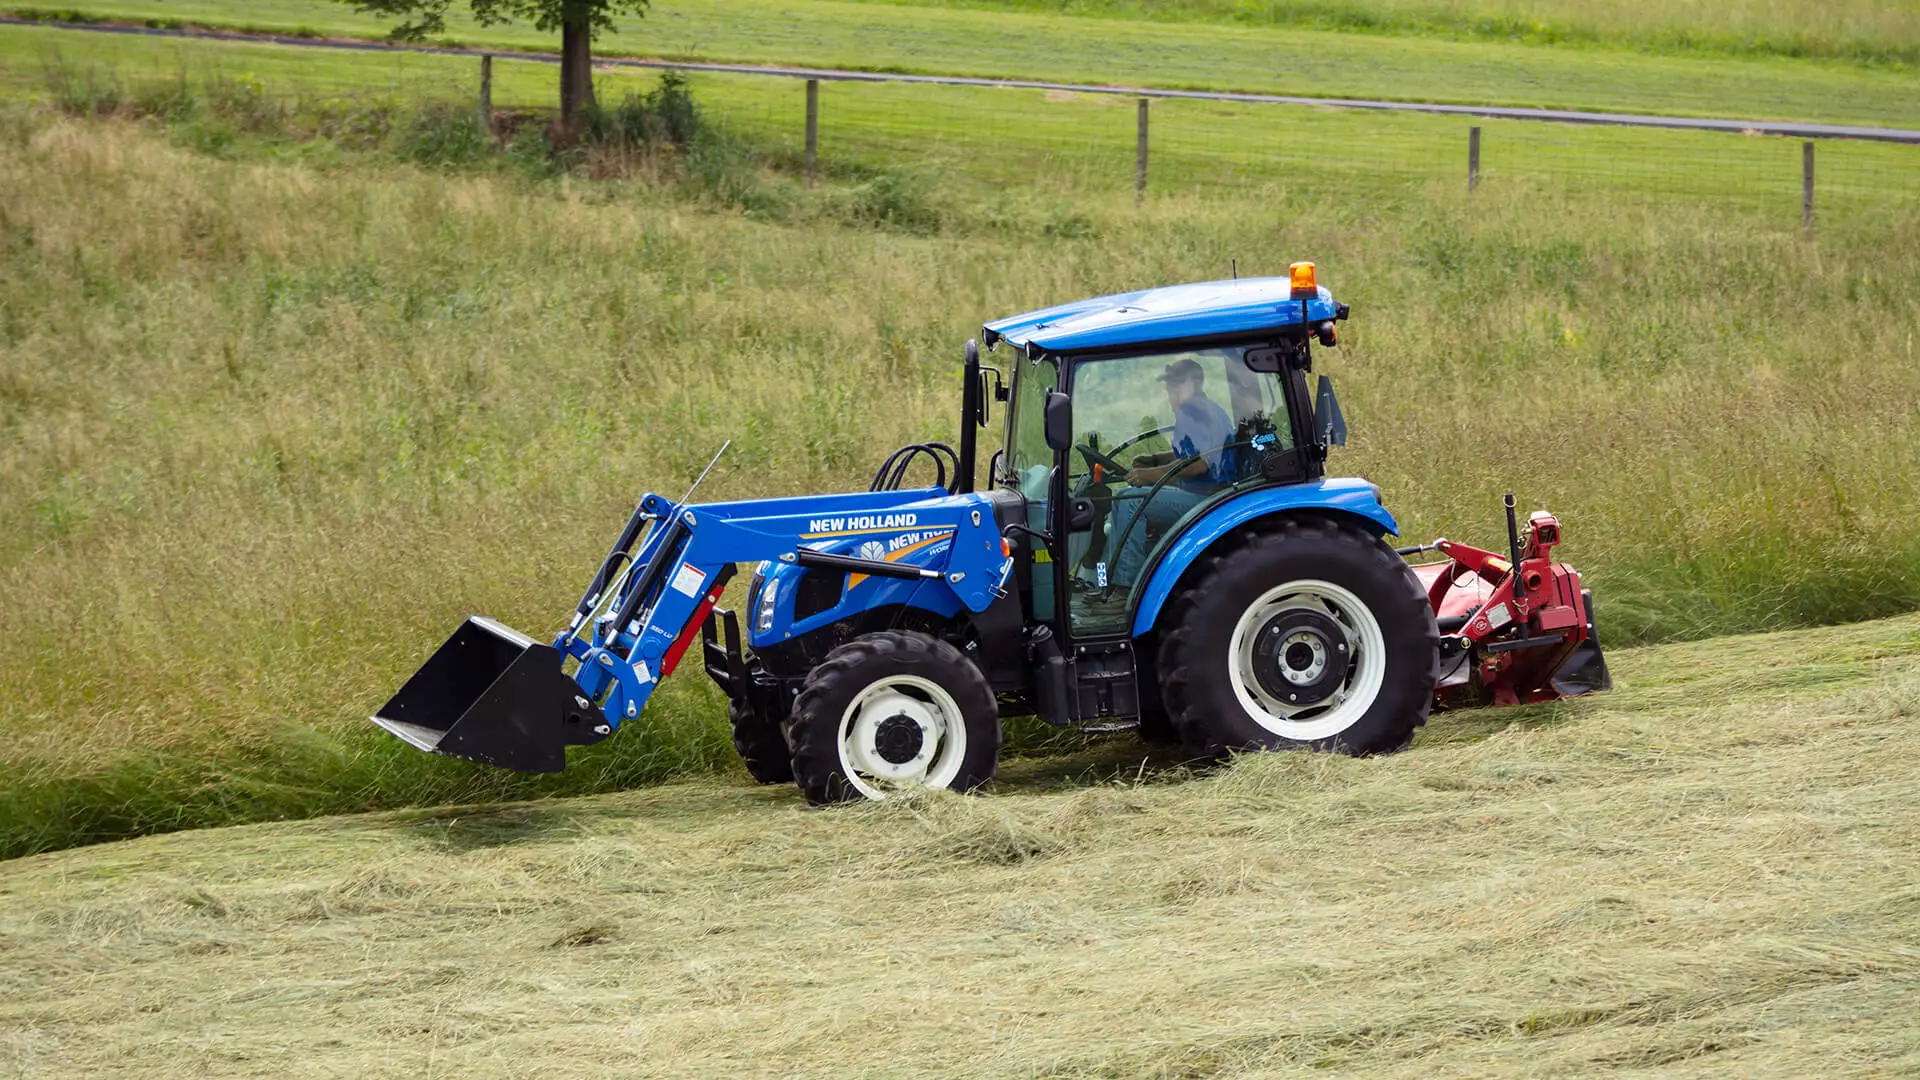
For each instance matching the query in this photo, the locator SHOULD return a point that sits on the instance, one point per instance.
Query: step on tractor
(1158, 549)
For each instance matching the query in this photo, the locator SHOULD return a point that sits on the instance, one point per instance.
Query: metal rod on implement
(1513, 548)
(874, 567)
(682, 504)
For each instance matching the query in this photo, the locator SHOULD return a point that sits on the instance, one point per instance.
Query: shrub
(83, 90)
(361, 123)
(244, 101)
(721, 171)
(172, 100)
(441, 136)
(50, 15)
(893, 200)
(663, 116)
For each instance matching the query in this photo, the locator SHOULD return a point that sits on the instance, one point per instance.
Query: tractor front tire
(759, 739)
(1309, 633)
(889, 711)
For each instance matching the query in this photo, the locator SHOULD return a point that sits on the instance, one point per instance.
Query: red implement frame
(1504, 635)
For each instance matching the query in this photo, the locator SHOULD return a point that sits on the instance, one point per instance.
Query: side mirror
(1278, 359)
(1265, 361)
(1058, 421)
(988, 377)
(1326, 415)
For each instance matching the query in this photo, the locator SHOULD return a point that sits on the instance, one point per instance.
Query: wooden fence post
(1806, 184)
(813, 128)
(1140, 159)
(1473, 158)
(486, 96)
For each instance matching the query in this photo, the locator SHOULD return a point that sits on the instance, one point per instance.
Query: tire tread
(1178, 680)
(812, 729)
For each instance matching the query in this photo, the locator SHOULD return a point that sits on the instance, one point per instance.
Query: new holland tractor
(1159, 548)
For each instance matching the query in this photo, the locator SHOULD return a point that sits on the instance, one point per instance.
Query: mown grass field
(1862, 31)
(291, 379)
(1710, 871)
(1871, 32)
(1040, 45)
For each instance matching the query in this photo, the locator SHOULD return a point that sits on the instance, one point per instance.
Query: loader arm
(493, 695)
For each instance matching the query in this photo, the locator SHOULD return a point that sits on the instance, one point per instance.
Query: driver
(1201, 432)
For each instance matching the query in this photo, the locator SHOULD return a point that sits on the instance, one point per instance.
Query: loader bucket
(493, 695)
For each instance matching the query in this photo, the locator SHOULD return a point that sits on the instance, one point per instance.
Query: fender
(1348, 497)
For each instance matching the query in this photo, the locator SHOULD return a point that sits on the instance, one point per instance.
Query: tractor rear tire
(1308, 634)
(759, 739)
(893, 710)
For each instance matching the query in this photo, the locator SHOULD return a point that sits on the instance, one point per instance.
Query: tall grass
(270, 425)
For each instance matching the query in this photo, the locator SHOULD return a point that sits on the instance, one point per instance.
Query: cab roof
(1169, 313)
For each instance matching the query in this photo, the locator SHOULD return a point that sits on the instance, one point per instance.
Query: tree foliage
(578, 21)
(424, 18)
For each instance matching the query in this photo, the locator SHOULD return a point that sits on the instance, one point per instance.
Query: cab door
(1032, 467)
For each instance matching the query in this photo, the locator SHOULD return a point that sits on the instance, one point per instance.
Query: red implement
(1507, 637)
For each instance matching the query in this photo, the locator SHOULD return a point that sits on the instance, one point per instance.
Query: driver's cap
(1183, 369)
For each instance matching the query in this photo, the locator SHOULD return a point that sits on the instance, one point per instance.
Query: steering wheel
(1100, 459)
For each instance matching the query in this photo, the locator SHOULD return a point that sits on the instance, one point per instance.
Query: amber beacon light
(1304, 285)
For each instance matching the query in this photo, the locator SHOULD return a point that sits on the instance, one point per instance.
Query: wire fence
(1176, 147)
(1086, 140)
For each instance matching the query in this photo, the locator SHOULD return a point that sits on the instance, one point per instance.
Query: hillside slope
(1712, 869)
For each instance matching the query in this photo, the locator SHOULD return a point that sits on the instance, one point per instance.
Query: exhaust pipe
(496, 696)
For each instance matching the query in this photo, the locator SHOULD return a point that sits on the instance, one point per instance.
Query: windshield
(1197, 410)
(1029, 462)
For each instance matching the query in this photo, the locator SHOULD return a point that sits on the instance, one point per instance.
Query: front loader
(1158, 549)
(493, 695)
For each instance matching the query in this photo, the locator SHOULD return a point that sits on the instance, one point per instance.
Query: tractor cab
(1131, 417)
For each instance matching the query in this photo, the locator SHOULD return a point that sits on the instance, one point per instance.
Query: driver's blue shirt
(1202, 427)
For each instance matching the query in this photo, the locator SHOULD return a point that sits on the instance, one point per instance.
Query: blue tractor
(1158, 549)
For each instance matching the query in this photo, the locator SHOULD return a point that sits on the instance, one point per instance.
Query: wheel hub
(892, 733)
(1301, 656)
(898, 739)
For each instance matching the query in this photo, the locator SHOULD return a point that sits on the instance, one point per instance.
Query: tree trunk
(576, 62)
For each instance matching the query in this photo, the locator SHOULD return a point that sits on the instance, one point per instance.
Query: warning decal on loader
(688, 580)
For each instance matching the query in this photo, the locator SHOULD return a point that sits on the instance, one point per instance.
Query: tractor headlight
(763, 608)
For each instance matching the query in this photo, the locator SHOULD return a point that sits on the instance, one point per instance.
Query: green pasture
(1054, 141)
(291, 380)
(1861, 31)
(1037, 45)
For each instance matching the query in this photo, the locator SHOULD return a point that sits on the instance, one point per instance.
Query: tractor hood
(1171, 313)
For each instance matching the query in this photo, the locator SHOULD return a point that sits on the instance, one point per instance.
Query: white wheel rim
(923, 702)
(1349, 701)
